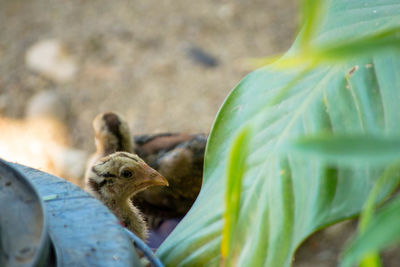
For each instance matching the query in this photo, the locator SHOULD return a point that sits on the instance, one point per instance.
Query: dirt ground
(166, 65)
(134, 57)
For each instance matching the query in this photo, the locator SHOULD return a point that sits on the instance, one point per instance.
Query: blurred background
(166, 66)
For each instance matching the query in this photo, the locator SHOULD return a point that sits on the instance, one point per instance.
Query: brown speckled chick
(178, 157)
(114, 179)
(111, 135)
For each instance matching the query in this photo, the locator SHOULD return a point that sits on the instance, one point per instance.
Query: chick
(112, 134)
(114, 179)
(178, 157)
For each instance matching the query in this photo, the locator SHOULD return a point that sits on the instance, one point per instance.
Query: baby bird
(116, 178)
(111, 135)
(178, 157)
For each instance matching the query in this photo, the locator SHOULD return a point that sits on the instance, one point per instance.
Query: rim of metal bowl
(42, 253)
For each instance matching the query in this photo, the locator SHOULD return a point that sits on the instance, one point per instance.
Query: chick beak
(154, 178)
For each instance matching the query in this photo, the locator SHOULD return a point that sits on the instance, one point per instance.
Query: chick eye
(126, 174)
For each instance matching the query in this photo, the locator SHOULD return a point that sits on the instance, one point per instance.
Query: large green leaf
(285, 196)
(349, 150)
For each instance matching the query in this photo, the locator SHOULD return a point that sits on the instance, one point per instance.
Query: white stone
(50, 58)
(47, 104)
(69, 163)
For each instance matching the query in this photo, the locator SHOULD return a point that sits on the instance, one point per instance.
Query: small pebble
(47, 104)
(201, 57)
(70, 162)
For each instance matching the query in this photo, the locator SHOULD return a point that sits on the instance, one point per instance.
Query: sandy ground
(142, 59)
(134, 57)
